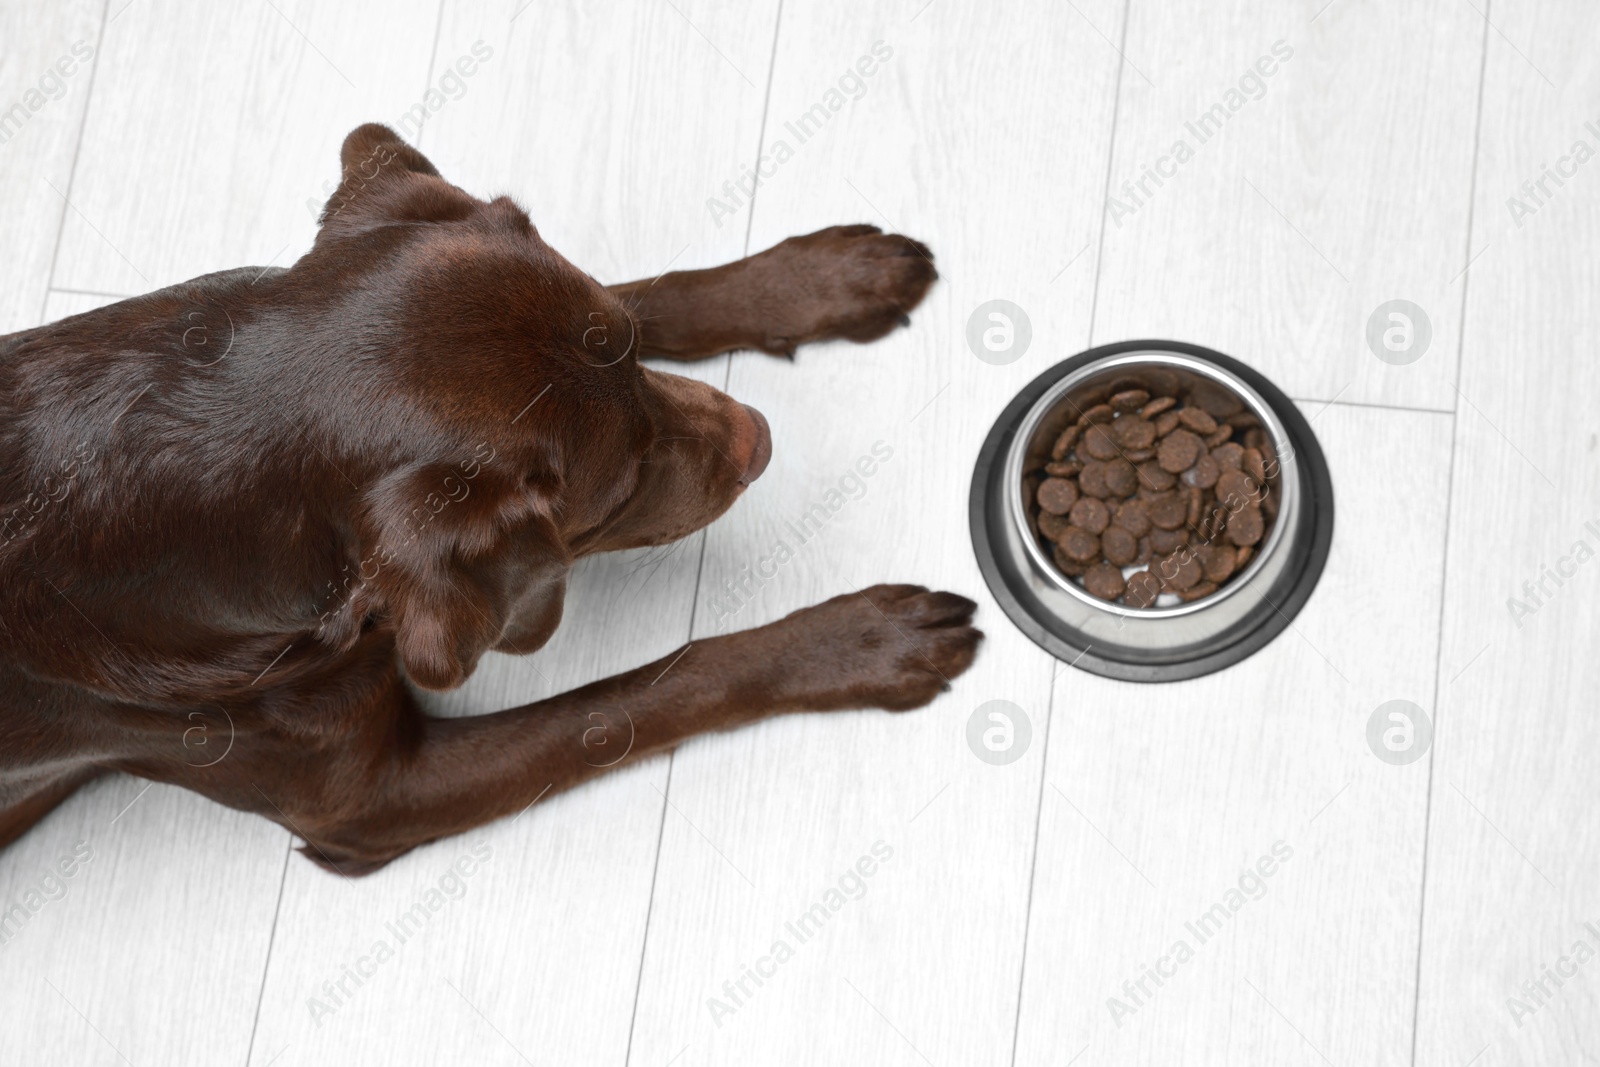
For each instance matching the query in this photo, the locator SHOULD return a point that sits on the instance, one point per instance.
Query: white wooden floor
(1418, 904)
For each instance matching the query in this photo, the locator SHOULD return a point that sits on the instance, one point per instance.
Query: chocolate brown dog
(259, 496)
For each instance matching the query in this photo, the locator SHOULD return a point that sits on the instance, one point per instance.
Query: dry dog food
(1147, 495)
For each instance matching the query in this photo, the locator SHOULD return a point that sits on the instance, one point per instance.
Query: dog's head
(525, 432)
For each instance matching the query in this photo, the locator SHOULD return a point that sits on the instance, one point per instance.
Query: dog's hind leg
(846, 282)
(46, 749)
(28, 802)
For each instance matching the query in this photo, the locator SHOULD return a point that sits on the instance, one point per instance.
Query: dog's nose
(761, 450)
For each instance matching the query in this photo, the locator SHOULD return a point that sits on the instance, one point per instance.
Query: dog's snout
(760, 448)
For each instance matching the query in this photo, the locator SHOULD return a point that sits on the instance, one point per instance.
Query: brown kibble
(1228, 456)
(1168, 511)
(1247, 526)
(1157, 406)
(1269, 460)
(1056, 496)
(1104, 580)
(1064, 443)
(1204, 473)
(1119, 546)
(1097, 443)
(1130, 431)
(1254, 464)
(1182, 485)
(1051, 526)
(1130, 399)
(1179, 570)
(1164, 541)
(1151, 476)
(1092, 481)
(1178, 451)
(1121, 478)
(1141, 590)
(1066, 564)
(1132, 516)
(1218, 400)
(1198, 419)
(1091, 514)
(1079, 544)
(1236, 489)
(1218, 562)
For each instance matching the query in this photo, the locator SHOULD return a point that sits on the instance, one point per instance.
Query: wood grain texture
(596, 927)
(1158, 797)
(251, 118)
(153, 950)
(41, 114)
(952, 141)
(1514, 852)
(539, 956)
(59, 305)
(213, 126)
(1340, 183)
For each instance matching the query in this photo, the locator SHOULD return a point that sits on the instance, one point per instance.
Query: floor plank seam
(433, 64)
(1337, 403)
(272, 936)
(699, 573)
(1033, 862)
(649, 911)
(1444, 554)
(87, 292)
(1050, 702)
(1111, 158)
(761, 133)
(77, 148)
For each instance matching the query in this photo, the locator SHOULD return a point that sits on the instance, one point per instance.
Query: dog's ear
(385, 180)
(460, 560)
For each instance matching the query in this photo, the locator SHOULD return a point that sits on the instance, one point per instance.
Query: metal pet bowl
(1171, 640)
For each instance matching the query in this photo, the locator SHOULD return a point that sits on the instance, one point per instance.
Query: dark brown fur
(260, 497)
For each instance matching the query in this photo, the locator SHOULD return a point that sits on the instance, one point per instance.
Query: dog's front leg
(851, 282)
(893, 647)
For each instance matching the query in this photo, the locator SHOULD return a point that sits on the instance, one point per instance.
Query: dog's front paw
(846, 282)
(889, 646)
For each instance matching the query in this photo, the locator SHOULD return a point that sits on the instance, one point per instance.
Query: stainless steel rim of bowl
(1144, 645)
(1026, 442)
